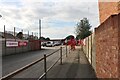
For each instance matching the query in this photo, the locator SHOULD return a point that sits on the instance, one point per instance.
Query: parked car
(57, 44)
(50, 44)
(43, 44)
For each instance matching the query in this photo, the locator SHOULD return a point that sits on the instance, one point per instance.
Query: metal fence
(30, 38)
(13, 33)
(44, 75)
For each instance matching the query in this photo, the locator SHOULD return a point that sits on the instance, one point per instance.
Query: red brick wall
(119, 6)
(35, 45)
(106, 9)
(107, 48)
(119, 43)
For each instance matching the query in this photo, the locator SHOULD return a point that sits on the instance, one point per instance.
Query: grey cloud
(28, 14)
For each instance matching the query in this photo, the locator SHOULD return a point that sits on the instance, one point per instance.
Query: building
(7, 35)
(106, 9)
(107, 41)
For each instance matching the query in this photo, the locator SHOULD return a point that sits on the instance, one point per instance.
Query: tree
(20, 35)
(69, 37)
(42, 38)
(47, 38)
(83, 29)
(0, 16)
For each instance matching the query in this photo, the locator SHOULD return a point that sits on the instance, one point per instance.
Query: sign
(11, 43)
(22, 43)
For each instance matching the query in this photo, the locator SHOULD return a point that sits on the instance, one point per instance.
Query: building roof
(7, 35)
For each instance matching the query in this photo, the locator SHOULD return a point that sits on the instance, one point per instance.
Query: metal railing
(12, 74)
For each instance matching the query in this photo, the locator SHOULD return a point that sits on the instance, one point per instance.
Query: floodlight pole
(39, 28)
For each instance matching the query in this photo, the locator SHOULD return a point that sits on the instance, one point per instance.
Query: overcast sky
(59, 17)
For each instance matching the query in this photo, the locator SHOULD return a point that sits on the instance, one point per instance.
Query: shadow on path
(73, 68)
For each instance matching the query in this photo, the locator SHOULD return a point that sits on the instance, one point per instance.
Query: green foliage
(44, 39)
(83, 29)
(47, 38)
(0, 15)
(20, 35)
(69, 37)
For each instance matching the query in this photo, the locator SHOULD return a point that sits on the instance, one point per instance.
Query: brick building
(107, 37)
(106, 9)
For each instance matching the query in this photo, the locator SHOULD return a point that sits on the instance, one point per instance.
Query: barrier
(12, 44)
(9, 76)
(90, 49)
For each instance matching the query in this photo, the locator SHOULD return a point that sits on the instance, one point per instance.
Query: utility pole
(39, 33)
(39, 28)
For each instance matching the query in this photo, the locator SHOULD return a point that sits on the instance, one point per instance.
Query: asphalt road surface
(14, 62)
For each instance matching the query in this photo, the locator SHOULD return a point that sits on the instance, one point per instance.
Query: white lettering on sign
(22, 43)
(11, 44)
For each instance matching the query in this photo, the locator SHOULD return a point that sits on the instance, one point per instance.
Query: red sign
(22, 43)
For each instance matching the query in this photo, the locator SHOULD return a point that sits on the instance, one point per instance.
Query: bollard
(61, 55)
(66, 50)
(45, 67)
